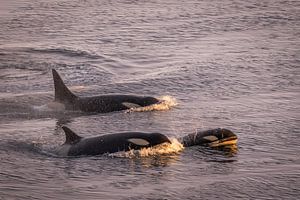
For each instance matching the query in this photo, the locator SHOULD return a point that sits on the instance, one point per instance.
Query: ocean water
(231, 64)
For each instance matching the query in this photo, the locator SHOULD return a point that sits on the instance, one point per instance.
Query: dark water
(231, 64)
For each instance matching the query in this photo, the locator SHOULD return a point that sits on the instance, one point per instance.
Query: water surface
(230, 64)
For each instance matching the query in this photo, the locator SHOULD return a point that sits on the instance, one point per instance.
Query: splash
(165, 103)
(162, 149)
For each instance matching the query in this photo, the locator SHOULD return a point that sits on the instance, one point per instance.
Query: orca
(99, 104)
(211, 138)
(76, 145)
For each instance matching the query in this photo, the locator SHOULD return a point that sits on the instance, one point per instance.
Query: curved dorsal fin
(62, 93)
(71, 137)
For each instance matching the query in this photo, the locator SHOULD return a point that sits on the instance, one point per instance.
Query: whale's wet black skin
(212, 138)
(100, 104)
(110, 143)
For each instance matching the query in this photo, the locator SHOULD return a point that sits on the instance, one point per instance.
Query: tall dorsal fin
(71, 137)
(62, 93)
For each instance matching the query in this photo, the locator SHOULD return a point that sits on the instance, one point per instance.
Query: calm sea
(233, 64)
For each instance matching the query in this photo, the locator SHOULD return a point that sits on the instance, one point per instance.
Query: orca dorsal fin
(62, 93)
(71, 137)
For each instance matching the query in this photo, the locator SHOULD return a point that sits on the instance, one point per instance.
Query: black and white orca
(211, 138)
(76, 145)
(100, 104)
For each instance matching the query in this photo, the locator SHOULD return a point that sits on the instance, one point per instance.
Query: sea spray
(166, 148)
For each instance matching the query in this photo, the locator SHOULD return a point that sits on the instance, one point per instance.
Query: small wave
(22, 146)
(66, 52)
(165, 103)
(162, 149)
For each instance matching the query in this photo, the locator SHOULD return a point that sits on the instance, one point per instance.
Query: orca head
(146, 101)
(216, 137)
(158, 138)
(140, 102)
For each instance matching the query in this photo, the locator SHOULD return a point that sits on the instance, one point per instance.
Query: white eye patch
(138, 141)
(130, 105)
(210, 138)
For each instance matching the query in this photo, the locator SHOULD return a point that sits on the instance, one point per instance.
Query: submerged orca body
(110, 143)
(212, 138)
(100, 104)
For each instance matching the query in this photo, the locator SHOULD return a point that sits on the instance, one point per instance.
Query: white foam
(165, 148)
